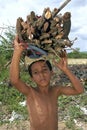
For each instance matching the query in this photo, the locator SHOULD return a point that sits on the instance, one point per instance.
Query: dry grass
(77, 61)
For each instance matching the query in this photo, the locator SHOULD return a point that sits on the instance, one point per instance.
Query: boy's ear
(32, 79)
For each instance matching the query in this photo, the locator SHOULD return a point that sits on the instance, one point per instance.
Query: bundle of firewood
(48, 32)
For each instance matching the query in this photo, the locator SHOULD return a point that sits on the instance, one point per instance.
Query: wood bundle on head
(49, 31)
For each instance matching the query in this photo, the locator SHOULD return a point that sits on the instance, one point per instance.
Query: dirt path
(24, 125)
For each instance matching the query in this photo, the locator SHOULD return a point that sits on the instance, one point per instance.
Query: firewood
(66, 24)
(46, 41)
(50, 30)
(44, 36)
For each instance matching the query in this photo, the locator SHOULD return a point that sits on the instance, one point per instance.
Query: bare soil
(24, 125)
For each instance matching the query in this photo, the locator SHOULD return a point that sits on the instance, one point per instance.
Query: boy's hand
(19, 46)
(62, 64)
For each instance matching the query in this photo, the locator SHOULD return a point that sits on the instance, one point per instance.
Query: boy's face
(41, 73)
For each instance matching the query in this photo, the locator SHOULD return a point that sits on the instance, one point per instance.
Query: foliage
(77, 54)
(69, 107)
(10, 98)
(6, 48)
(8, 36)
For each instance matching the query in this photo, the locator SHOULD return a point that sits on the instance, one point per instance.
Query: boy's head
(41, 60)
(40, 71)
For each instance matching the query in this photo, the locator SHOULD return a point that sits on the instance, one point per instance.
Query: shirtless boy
(42, 100)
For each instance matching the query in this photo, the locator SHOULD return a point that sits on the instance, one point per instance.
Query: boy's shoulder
(54, 88)
(57, 89)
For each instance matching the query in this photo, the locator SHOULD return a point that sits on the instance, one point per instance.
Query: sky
(10, 10)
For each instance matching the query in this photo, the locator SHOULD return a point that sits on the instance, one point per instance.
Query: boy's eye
(45, 69)
(35, 72)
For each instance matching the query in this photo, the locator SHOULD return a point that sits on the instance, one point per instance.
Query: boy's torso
(43, 110)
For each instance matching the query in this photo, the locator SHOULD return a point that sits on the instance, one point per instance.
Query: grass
(10, 98)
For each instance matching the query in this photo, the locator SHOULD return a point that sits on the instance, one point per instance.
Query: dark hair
(47, 62)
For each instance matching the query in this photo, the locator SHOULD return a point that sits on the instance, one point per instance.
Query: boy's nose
(41, 74)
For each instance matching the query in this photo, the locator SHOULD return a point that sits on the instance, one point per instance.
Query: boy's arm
(15, 70)
(77, 87)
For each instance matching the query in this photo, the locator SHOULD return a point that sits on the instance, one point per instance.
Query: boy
(42, 100)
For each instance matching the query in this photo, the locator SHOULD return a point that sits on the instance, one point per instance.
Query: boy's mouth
(43, 80)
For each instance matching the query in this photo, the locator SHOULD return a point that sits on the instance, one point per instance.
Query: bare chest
(42, 108)
(42, 103)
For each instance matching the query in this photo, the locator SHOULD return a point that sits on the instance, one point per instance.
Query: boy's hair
(46, 61)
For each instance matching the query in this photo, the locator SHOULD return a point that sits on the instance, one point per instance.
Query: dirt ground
(24, 125)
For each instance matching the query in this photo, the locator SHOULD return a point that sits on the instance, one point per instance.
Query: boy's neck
(44, 90)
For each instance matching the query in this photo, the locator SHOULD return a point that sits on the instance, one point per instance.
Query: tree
(6, 46)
